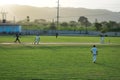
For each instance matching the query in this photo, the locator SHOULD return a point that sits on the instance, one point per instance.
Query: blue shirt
(94, 50)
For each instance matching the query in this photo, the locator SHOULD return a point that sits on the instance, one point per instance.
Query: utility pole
(3, 16)
(58, 9)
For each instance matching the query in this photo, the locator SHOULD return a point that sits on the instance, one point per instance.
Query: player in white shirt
(37, 39)
(102, 39)
(94, 51)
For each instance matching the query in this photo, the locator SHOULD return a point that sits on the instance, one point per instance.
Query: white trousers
(94, 57)
(36, 41)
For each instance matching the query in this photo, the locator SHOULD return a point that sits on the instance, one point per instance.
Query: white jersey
(37, 37)
(94, 50)
(102, 38)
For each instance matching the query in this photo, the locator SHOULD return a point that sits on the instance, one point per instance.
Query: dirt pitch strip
(60, 43)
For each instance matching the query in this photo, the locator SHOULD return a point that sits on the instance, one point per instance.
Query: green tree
(64, 24)
(73, 24)
(105, 27)
(84, 22)
(113, 25)
(98, 26)
(52, 26)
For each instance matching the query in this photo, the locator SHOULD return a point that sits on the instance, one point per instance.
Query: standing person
(56, 35)
(94, 51)
(102, 39)
(17, 38)
(37, 39)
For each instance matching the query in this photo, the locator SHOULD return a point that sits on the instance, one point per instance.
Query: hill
(66, 14)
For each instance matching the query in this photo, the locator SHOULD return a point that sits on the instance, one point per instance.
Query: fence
(68, 33)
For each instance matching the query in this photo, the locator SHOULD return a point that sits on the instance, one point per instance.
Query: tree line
(82, 24)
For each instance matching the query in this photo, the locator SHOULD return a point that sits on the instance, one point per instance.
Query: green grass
(58, 62)
(62, 39)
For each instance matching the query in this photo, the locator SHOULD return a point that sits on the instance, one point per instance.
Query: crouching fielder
(37, 39)
(94, 51)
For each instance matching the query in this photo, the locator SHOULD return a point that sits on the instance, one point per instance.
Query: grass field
(61, 39)
(59, 62)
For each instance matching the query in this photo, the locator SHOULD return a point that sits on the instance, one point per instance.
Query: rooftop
(8, 24)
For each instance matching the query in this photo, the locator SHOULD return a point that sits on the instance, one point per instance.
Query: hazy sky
(113, 5)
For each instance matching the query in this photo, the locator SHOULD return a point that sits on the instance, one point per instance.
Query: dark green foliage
(98, 26)
(64, 24)
(52, 26)
(42, 24)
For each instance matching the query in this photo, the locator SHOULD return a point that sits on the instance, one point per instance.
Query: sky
(112, 5)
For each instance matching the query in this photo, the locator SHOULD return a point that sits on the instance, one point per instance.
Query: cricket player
(17, 38)
(102, 39)
(94, 51)
(37, 39)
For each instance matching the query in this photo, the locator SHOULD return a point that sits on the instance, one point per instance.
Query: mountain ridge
(66, 13)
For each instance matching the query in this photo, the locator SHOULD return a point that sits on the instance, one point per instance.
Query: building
(6, 27)
(9, 28)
